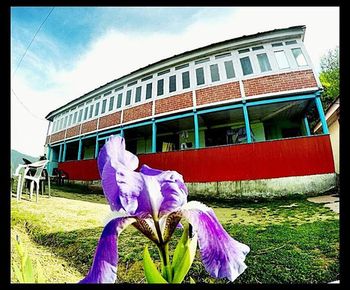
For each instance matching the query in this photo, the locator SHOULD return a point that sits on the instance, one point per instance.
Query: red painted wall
(260, 160)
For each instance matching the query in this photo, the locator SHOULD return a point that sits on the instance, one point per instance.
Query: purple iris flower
(154, 201)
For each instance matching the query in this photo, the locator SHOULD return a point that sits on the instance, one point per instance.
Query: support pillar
(79, 149)
(307, 127)
(196, 131)
(64, 152)
(154, 137)
(60, 153)
(247, 125)
(321, 114)
(96, 147)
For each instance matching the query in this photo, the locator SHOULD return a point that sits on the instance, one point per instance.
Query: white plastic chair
(20, 172)
(39, 166)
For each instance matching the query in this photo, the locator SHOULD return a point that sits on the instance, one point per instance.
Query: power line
(20, 61)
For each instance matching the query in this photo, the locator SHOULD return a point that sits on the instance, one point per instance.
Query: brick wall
(73, 131)
(109, 120)
(174, 103)
(138, 112)
(218, 93)
(280, 82)
(89, 126)
(57, 136)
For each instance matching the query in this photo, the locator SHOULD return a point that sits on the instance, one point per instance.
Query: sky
(78, 49)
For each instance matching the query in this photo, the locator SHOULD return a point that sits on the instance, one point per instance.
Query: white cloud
(116, 53)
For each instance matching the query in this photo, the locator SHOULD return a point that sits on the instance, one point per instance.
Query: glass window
(202, 60)
(86, 113)
(181, 66)
(75, 117)
(289, 42)
(119, 101)
(299, 57)
(172, 84)
(80, 115)
(111, 101)
(128, 98)
(185, 80)
(149, 91)
(65, 122)
(230, 72)
(246, 65)
(226, 54)
(97, 108)
(61, 123)
(104, 103)
(70, 120)
(138, 94)
(263, 62)
(281, 59)
(244, 50)
(160, 87)
(257, 48)
(277, 44)
(91, 111)
(200, 76)
(214, 72)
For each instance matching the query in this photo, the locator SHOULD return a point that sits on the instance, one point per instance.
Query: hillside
(16, 159)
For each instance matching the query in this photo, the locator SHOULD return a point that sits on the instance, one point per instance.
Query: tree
(329, 76)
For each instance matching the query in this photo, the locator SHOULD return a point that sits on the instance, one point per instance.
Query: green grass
(297, 244)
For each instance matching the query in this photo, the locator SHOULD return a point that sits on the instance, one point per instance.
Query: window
(61, 123)
(75, 117)
(257, 48)
(277, 44)
(181, 66)
(146, 78)
(163, 72)
(97, 108)
(200, 76)
(128, 98)
(214, 73)
(185, 80)
(222, 55)
(160, 87)
(149, 91)
(70, 120)
(104, 103)
(91, 111)
(119, 101)
(299, 57)
(111, 101)
(263, 62)
(289, 42)
(138, 95)
(86, 113)
(246, 65)
(80, 115)
(172, 84)
(230, 72)
(65, 122)
(243, 50)
(281, 59)
(202, 60)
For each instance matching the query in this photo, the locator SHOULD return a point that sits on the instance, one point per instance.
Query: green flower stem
(164, 253)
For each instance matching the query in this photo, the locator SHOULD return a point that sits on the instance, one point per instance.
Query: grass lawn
(291, 240)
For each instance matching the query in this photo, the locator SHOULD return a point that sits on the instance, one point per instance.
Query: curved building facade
(230, 111)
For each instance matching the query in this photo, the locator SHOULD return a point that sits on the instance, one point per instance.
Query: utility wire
(20, 61)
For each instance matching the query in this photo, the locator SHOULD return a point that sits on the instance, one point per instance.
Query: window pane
(172, 84)
(281, 59)
(75, 117)
(149, 91)
(97, 108)
(138, 94)
(246, 65)
(111, 101)
(86, 113)
(65, 122)
(80, 115)
(263, 62)
(104, 103)
(160, 87)
(200, 76)
(214, 72)
(119, 101)
(299, 57)
(185, 80)
(70, 119)
(128, 98)
(91, 111)
(230, 72)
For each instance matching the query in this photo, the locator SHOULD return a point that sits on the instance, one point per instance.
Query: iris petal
(222, 256)
(104, 266)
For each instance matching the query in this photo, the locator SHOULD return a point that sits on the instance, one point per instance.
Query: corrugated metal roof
(184, 54)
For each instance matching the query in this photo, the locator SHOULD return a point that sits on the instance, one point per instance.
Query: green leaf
(180, 248)
(39, 271)
(183, 264)
(192, 281)
(18, 273)
(28, 273)
(151, 272)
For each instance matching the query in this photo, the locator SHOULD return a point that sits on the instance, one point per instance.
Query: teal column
(79, 148)
(321, 114)
(60, 154)
(64, 152)
(96, 147)
(247, 125)
(121, 132)
(196, 131)
(154, 137)
(307, 127)
(48, 152)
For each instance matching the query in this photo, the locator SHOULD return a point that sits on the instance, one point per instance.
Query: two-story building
(231, 117)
